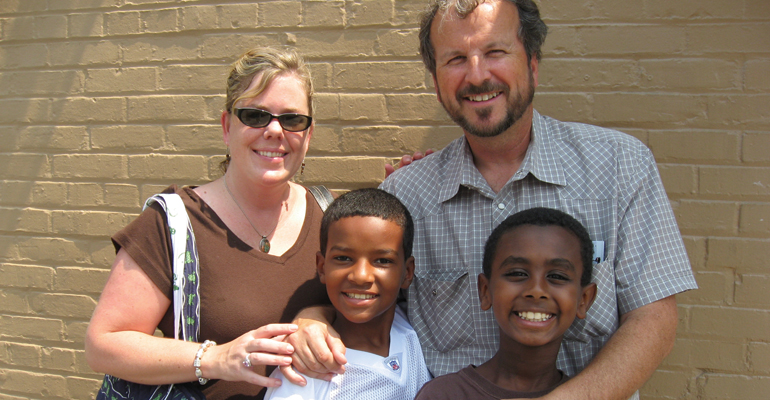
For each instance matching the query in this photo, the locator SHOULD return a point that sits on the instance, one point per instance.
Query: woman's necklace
(264, 244)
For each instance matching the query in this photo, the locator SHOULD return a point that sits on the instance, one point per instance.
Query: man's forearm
(645, 337)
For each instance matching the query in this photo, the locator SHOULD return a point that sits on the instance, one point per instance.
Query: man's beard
(517, 105)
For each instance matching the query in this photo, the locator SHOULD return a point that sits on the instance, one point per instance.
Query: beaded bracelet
(197, 362)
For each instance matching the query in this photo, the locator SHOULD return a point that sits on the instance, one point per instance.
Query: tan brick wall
(104, 102)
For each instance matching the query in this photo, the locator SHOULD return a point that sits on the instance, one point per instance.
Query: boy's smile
(534, 285)
(364, 267)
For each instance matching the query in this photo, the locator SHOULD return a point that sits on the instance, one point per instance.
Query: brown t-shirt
(241, 288)
(467, 383)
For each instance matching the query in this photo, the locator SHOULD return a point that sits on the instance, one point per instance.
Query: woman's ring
(247, 362)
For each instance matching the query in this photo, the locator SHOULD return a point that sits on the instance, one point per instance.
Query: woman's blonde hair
(268, 63)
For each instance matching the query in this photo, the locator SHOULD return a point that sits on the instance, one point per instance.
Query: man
(484, 57)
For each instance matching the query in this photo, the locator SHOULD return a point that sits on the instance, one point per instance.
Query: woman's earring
(227, 152)
(302, 169)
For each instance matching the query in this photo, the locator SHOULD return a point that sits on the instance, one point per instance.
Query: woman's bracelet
(197, 362)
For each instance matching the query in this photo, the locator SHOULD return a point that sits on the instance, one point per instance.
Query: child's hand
(318, 351)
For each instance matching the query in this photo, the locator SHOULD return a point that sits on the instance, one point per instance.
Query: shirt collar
(541, 161)
(459, 170)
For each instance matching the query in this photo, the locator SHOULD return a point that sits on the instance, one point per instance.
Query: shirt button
(501, 206)
(435, 292)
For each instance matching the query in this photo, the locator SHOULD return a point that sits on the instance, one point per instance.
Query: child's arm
(318, 350)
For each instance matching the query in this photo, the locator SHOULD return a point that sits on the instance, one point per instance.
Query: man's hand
(318, 351)
(406, 160)
(645, 337)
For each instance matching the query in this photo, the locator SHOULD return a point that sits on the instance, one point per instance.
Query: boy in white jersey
(365, 260)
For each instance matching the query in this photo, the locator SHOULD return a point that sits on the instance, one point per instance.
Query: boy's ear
(409, 276)
(484, 295)
(587, 298)
(319, 264)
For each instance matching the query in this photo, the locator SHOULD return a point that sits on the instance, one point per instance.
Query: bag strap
(322, 196)
(186, 293)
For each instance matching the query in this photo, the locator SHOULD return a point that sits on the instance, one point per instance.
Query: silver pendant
(264, 245)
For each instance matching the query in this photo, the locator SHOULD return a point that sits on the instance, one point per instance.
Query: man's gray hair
(532, 29)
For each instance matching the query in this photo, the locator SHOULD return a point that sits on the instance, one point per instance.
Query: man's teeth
(360, 296)
(483, 97)
(534, 316)
(270, 153)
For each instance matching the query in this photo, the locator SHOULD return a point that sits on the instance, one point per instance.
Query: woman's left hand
(263, 346)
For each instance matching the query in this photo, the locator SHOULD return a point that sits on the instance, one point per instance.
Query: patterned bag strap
(322, 196)
(186, 270)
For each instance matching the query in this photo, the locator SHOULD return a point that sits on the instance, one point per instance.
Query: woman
(257, 236)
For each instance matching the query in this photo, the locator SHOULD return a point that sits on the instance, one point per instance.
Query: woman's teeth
(270, 153)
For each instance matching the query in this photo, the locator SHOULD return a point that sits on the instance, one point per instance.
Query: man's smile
(483, 97)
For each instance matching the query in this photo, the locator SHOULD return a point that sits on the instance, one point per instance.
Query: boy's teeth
(270, 153)
(534, 316)
(360, 296)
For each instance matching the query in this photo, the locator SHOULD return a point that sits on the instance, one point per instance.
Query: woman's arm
(120, 341)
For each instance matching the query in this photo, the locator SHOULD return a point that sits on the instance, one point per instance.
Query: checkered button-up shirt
(604, 178)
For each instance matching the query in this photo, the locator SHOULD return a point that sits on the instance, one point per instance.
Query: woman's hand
(120, 341)
(318, 351)
(263, 346)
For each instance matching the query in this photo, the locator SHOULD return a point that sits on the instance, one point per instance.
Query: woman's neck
(255, 195)
(252, 211)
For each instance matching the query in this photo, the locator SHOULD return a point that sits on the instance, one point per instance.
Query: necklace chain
(264, 244)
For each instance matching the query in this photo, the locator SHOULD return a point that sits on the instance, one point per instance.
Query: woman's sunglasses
(257, 118)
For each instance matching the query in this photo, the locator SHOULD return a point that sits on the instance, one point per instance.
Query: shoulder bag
(186, 307)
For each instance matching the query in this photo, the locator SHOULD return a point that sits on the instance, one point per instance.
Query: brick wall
(104, 102)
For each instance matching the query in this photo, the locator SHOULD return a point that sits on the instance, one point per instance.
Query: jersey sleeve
(315, 389)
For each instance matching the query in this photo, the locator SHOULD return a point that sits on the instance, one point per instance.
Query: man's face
(483, 78)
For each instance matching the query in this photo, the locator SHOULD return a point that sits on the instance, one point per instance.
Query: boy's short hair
(369, 203)
(541, 216)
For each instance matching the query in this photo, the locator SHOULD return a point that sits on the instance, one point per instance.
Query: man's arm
(645, 337)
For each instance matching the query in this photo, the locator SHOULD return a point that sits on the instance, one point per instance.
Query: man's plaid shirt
(604, 178)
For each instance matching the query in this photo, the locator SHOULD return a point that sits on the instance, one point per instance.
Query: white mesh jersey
(368, 376)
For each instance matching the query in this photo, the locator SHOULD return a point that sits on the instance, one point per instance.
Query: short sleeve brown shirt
(241, 288)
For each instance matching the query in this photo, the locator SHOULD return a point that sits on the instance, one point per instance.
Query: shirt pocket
(602, 318)
(443, 318)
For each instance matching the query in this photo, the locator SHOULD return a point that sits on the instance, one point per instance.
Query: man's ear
(534, 68)
(319, 264)
(484, 296)
(587, 298)
(409, 276)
